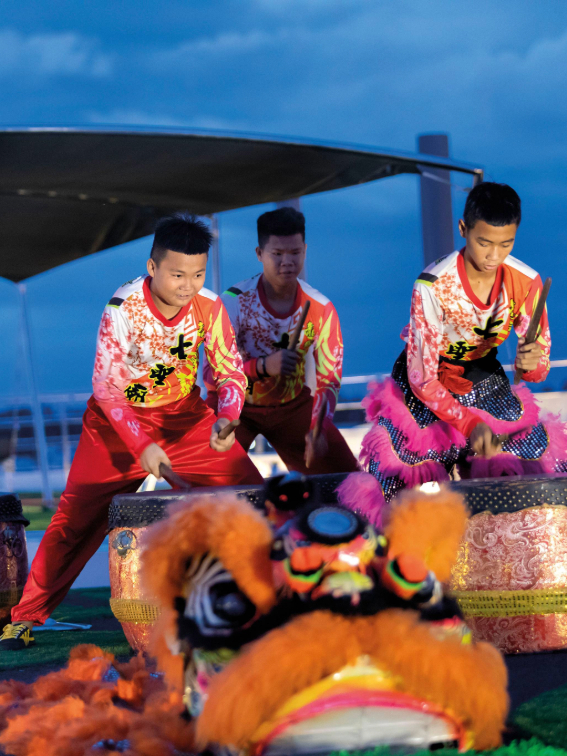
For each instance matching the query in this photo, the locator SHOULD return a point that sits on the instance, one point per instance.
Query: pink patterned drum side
(519, 551)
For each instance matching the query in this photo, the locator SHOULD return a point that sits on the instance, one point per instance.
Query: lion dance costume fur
(270, 623)
(261, 629)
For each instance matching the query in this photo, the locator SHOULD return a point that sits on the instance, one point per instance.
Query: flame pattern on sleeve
(225, 363)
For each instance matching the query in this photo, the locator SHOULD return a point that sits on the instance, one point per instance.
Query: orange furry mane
(428, 526)
(469, 680)
(226, 527)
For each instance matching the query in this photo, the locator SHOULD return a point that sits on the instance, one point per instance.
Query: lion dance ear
(229, 529)
(427, 526)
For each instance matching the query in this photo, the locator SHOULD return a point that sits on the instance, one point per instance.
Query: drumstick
(531, 334)
(500, 438)
(174, 480)
(227, 430)
(299, 327)
(316, 430)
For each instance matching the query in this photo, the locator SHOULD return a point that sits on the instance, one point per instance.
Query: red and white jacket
(448, 320)
(144, 359)
(260, 330)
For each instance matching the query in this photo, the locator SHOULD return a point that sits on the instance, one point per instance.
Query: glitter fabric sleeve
(110, 378)
(225, 371)
(424, 338)
(521, 324)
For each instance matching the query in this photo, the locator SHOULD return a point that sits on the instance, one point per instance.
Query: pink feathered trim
(557, 448)
(362, 493)
(378, 445)
(530, 415)
(495, 467)
(386, 399)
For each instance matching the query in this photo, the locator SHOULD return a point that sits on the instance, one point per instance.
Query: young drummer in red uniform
(264, 311)
(145, 410)
(449, 401)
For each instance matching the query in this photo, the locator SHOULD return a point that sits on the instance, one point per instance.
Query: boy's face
(178, 277)
(283, 258)
(487, 246)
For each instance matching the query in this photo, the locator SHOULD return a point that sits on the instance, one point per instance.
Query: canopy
(66, 193)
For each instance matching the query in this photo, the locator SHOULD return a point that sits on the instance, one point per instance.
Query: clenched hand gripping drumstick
(174, 480)
(312, 437)
(531, 334)
(227, 430)
(293, 342)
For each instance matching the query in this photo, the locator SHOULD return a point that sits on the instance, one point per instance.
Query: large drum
(510, 578)
(13, 554)
(129, 517)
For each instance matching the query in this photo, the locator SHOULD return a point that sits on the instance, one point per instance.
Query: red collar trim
(159, 315)
(496, 286)
(266, 304)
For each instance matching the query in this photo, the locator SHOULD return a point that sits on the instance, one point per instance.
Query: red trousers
(103, 467)
(285, 427)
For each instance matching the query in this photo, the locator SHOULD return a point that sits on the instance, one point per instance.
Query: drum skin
(13, 555)
(510, 577)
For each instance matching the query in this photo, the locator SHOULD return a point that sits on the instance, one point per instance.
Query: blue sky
(492, 74)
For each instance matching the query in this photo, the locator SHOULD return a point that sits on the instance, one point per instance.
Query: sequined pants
(493, 395)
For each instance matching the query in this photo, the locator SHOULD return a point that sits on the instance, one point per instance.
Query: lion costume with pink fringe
(448, 380)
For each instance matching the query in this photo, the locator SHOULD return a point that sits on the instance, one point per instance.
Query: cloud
(133, 117)
(47, 55)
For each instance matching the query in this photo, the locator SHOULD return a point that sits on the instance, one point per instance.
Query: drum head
(513, 493)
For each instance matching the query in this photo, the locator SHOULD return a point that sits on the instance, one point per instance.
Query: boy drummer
(265, 311)
(449, 401)
(145, 410)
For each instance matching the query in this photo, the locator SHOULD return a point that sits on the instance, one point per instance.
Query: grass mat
(39, 518)
(531, 747)
(545, 717)
(86, 605)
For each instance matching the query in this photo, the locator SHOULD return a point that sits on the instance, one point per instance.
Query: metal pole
(436, 206)
(215, 254)
(37, 415)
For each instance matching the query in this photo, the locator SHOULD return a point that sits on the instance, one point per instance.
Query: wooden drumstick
(174, 480)
(531, 334)
(316, 431)
(500, 438)
(293, 342)
(227, 430)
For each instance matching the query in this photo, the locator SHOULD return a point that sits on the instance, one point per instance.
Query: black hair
(180, 232)
(285, 221)
(495, 204)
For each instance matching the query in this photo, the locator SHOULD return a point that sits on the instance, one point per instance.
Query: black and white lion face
(213, 607)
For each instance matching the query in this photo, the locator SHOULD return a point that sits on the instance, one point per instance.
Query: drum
(510, 578)
(129, 517)
(13, 554)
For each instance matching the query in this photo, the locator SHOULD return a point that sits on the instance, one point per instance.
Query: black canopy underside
(68, 193)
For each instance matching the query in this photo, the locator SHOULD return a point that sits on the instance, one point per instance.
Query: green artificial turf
(531, 747)
(545, 717)
(52, 647)
(39, 518)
